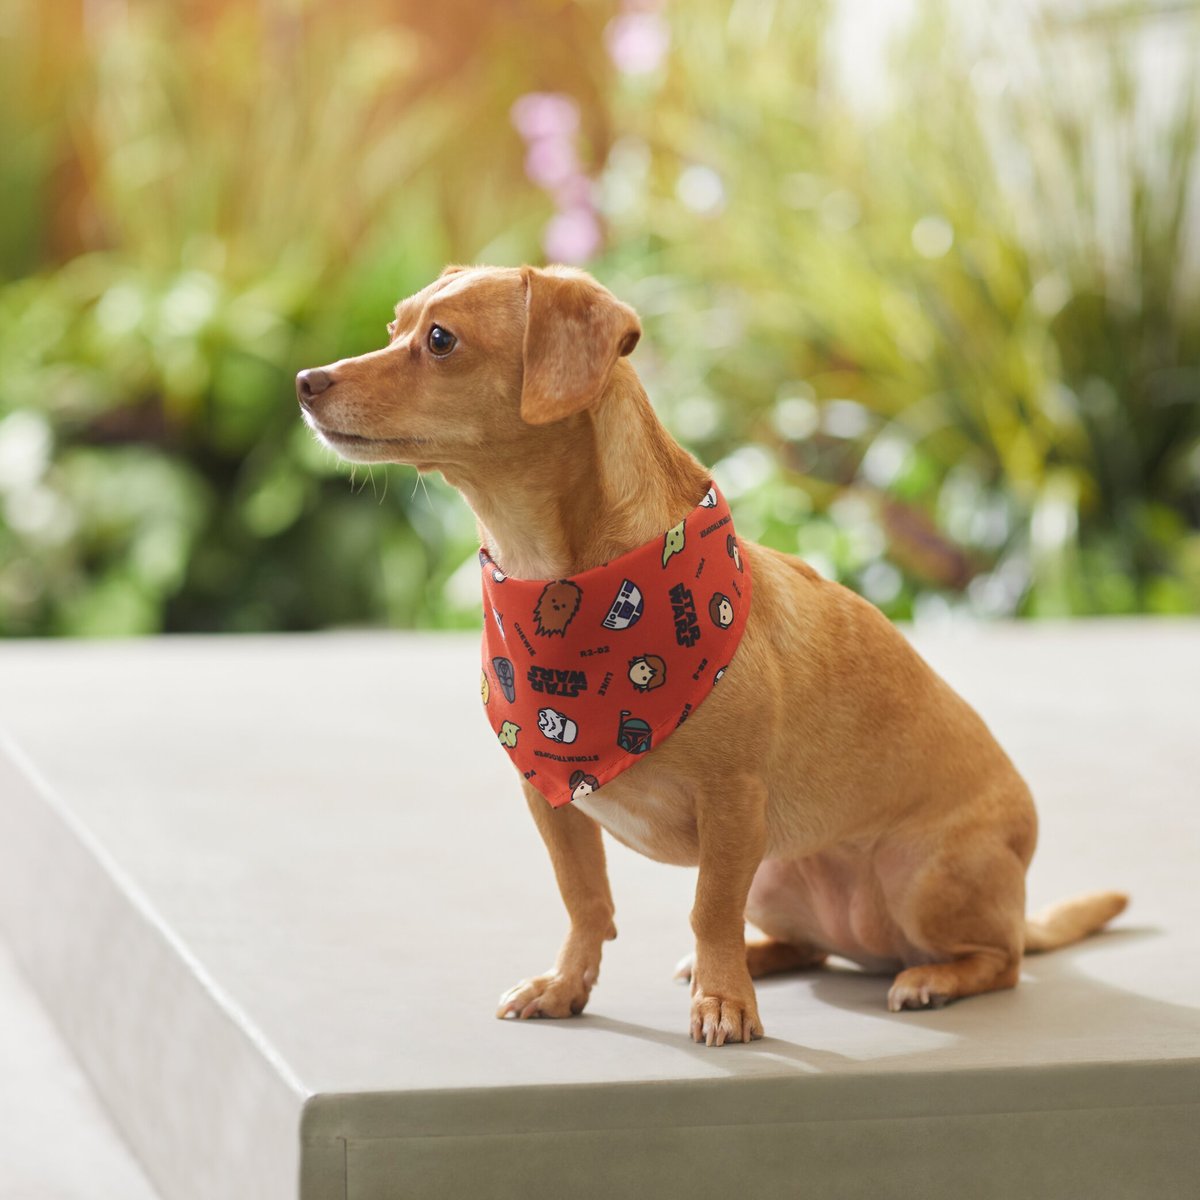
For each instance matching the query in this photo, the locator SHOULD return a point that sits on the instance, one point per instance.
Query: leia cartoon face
(720, 609)
(582, 785)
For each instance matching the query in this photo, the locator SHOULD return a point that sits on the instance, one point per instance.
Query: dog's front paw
(720, 1019)
(549, 995)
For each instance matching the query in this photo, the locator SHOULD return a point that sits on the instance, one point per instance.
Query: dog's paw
(718, 1019)
(549, 995)
(914, 992)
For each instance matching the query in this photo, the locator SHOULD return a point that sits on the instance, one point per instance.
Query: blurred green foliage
(945, 345)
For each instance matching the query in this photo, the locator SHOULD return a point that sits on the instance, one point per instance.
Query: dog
(832, 789)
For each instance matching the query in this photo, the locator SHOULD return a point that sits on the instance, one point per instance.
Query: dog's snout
(312, 383)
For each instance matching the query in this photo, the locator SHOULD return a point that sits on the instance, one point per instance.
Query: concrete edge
(203, 1100)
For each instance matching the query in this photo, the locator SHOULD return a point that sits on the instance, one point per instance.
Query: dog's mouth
(355, 446)
(355, 439)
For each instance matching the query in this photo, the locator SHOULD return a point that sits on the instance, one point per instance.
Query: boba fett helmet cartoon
(633, 734)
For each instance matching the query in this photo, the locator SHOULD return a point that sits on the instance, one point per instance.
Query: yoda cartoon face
(508, 734)
(672, 542)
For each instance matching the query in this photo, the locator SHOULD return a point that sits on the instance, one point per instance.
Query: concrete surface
(56, 1140)
(272, 887)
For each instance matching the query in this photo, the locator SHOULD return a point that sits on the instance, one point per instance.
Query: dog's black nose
(312, 383)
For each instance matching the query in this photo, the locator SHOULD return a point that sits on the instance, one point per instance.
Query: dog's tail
(1070, 920)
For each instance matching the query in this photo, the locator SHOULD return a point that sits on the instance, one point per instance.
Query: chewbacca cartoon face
(556, 607)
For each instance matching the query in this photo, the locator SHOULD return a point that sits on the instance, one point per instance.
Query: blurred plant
(214, 197)
(957, 336)
(946, 347)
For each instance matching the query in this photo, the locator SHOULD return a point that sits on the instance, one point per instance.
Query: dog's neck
(583, 490)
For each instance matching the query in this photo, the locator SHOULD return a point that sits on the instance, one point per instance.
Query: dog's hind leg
(767, 956)
(965, 912)
(935, 984)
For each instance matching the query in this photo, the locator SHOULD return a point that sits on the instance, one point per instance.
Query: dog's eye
(441, 341)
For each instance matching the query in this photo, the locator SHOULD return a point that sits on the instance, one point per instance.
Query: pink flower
(573, 192)
(551, 161)
(545, 115)
(637, 41)
(572, 236)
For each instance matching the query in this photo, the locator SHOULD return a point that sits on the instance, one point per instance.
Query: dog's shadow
(1058, 1004)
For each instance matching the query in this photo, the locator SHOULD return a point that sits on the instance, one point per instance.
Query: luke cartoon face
(647, 672)
(508, 734)
(557, 726)
(734, 551)
(672, 542)
(720, 608)
(484, 688)
(556, 607)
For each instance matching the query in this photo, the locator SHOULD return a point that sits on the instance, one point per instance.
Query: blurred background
(921, 280)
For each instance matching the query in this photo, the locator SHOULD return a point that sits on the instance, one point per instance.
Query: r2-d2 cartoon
(626, 608)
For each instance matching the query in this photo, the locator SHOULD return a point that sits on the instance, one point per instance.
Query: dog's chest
(658, 824)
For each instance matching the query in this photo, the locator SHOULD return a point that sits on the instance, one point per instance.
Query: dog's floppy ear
(575, 330)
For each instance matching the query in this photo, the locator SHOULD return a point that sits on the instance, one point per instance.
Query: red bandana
(582, 676)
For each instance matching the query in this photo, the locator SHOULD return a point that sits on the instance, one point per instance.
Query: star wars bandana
(583, 676)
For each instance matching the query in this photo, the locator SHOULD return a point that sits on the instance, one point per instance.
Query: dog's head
(477, 360)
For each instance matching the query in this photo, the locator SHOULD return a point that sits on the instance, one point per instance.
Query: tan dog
(869, 812)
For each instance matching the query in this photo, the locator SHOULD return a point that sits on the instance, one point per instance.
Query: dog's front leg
(731, 826)
(577, 855)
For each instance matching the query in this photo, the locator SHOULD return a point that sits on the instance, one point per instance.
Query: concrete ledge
(198, 1095)
(274, 937)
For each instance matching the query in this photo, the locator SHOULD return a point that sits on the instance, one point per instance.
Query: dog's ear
(575, 330)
